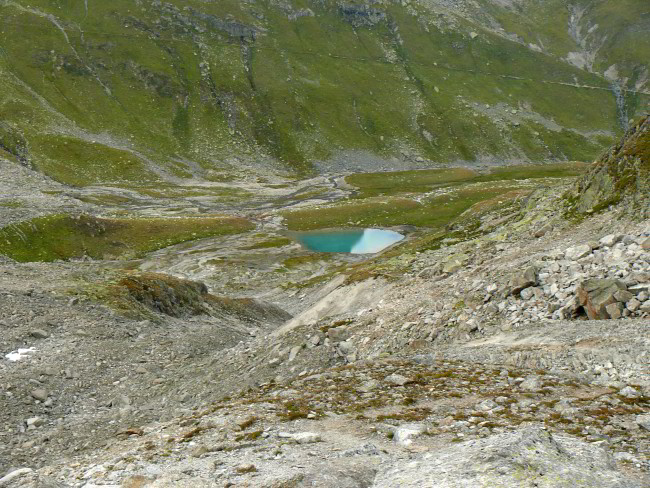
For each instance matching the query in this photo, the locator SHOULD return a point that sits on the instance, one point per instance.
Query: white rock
(629, 392)
(610, 239)
(577, 252)
(527, 293)
(302, 437)
(294, 352)
(34, 422)
(404, 433)
(396, 379)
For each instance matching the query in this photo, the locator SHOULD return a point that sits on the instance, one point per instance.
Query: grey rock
(40, 394)
(294, 352)
(645, 245)
(486, 405)
(610, 239)
(368, 386)
(643, 421)
(531, 383)
(633, 305)
(523, 281)
(577, 252)
(629, 392)
(39, 334)
(397, 379)
(623, 296)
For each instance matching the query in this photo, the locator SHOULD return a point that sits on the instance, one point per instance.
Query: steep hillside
(149, 91)
(621, 174)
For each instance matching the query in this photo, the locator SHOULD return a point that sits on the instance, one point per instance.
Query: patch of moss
(11, 204)
(64, 236)
(270, 243)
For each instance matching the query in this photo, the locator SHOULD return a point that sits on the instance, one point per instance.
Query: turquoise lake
(357, 241)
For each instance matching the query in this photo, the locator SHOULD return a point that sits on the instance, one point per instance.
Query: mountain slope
(621, 174)
(111, 93)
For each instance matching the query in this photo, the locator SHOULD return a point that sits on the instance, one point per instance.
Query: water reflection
(357, 241)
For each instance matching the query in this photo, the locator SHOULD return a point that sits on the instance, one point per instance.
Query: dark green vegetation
(112, 92)
(64, 236)
(421, 181)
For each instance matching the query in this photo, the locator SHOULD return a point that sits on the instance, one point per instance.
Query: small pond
(354, 241)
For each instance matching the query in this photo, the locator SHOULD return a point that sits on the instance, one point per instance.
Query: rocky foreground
(494, 372)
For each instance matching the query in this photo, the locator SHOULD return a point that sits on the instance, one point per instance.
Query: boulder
(397, 379)
(577, 252)
(595, 294)
(633, 305)
(611, 239)
(404, 434)
(455, 262)
(543, 231)
(522, 281)
(40, 394)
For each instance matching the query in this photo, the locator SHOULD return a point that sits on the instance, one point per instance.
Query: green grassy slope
(143, 91)
(62, 236)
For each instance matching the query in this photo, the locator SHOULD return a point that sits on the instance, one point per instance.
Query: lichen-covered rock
(621, 174)
(455, 262)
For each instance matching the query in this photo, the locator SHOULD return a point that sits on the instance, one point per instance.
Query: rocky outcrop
(597, 295)
(177, 297)
(361, 15)
(621, 174)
